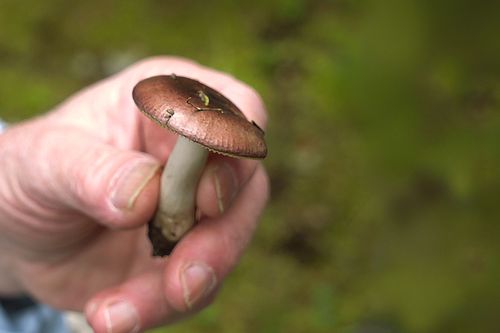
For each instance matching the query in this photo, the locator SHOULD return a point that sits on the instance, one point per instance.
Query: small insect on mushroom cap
(201, 114)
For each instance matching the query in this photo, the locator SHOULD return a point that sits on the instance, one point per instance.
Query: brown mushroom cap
(201, 114)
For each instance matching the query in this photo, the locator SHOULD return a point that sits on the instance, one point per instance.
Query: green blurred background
(383, 139)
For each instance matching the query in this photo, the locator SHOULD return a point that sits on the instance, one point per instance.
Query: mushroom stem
(179, 180)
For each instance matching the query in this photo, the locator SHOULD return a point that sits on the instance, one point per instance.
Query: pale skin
(78, 186)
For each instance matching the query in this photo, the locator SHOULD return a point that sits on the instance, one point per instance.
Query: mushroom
(205, 120)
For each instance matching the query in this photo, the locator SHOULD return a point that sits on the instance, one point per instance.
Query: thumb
(117, 188)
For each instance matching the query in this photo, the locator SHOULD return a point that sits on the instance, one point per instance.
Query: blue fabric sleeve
(23, 315)
(3, 125)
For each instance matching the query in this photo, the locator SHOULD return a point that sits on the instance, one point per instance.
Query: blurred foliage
(384, 132)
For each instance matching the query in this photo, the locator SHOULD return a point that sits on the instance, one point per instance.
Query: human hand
(78, 185)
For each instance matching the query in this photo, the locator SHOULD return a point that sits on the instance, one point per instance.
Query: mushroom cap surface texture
(201, 114)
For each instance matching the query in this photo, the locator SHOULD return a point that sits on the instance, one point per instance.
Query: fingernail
(198, 280)
(121, 317)
(130, 181)
(226, 185)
